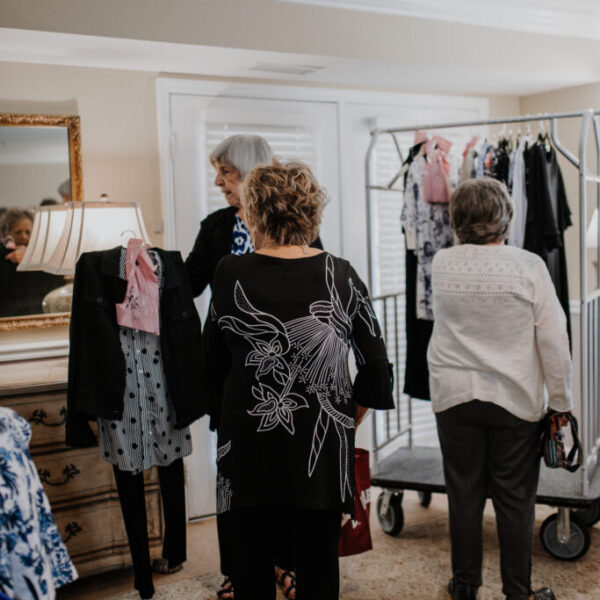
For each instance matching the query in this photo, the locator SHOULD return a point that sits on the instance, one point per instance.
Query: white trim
(33, 350)
(578, 18)
(167, 86)
(163, 108)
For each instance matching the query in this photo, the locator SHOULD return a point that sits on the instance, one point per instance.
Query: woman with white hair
(225, 232)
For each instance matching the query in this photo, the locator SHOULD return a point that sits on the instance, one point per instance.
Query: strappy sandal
(226, 590)
(280, 576)
(161, 565)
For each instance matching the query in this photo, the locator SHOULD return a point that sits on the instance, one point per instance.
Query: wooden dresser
(79, 485)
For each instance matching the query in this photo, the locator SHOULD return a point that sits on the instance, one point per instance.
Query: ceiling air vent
(286, 69)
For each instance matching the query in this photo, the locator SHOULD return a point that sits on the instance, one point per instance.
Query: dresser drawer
(74, 474)
(95, 536)
(78, 473)
(46, 413)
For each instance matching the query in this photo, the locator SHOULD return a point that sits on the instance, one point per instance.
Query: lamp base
(58, 300)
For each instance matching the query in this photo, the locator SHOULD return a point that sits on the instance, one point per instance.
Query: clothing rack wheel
(389, 512)
(565, 543)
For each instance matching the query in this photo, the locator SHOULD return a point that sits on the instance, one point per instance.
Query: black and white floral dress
(276, 363)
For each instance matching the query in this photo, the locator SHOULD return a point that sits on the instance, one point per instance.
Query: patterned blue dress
(241, 243)
(33, 558)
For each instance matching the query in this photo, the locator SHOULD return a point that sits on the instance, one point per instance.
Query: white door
(295, 130)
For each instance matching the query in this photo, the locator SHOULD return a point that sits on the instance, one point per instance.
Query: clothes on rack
(98, 372)
(143, 389)
(517, 185)
(548, 216)
(146, 434)
(429, 226)
(418, 331)
(33, 558)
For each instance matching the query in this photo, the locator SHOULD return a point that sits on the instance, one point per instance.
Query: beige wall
(569, 100)
(119, 131)
(118, 125)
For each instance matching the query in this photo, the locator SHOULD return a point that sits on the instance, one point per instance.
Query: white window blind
(287, 143)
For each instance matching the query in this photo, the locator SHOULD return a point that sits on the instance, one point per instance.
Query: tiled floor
(413, 566)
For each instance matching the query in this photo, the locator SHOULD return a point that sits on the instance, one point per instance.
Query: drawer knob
(39, 416)
(71, 530)
(70, 471)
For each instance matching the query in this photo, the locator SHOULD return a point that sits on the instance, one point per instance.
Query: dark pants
(283, 552)
(313, 536)
(487, 450)
(133, 506)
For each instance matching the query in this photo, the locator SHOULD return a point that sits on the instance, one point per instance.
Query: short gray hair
(481, 211)
(242, 152)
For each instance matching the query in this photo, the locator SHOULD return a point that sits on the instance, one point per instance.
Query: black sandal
(281, 576)
(226, 589)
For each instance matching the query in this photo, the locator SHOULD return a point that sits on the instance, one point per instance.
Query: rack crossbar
(501, 121)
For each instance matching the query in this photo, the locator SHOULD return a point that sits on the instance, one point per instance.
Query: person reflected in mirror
(16, 226)
(21, 293)
(64, 191)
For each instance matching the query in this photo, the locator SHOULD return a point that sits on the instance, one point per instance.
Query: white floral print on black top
(287, 409)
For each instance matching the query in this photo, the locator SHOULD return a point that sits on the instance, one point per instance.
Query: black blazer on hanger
(96, 363)
(212, 244)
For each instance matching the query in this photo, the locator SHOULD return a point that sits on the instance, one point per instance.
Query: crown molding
(577, 18)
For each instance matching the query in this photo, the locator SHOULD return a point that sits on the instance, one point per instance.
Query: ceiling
(318, 45)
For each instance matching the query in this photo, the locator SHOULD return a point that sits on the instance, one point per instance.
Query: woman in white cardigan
(499, 336)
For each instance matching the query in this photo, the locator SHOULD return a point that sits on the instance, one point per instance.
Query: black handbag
(552, 443)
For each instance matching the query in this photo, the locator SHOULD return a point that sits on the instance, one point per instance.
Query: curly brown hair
(283, 202)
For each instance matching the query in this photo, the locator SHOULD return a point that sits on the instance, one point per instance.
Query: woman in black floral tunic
(282, 322)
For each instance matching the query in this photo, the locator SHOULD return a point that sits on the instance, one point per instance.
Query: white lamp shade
(591, 235)
(93, 226)
(48, 225)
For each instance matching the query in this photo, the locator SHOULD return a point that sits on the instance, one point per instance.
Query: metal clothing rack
(589, 346)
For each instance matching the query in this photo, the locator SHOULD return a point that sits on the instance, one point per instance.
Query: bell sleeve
(374, 383)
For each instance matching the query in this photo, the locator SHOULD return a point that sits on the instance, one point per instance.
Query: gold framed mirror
(40, 164)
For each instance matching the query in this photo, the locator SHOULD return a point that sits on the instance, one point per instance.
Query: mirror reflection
(34, 171)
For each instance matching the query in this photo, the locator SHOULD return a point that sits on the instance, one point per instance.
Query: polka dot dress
(146, 435)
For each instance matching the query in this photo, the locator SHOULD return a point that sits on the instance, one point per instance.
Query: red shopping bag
(355, 536)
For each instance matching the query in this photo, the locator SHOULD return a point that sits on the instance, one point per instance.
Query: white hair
(64, 189)
(242, 152)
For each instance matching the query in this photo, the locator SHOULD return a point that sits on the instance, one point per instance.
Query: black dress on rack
(418, 331)
(548, 216)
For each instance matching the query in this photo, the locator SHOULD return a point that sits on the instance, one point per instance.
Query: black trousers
(313, 536)
(133, 506)
(283, 551)
(487, 450)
